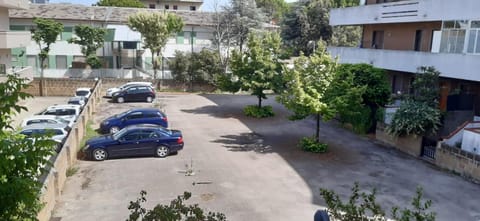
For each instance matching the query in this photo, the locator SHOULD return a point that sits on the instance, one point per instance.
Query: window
(132, 90)
(175, 7)
(193, 8)
(131, 136)
(418, 41)
(474, 38)
(167, 7)
(453, 36)
(180, 37)
(377, 40)
(61, 61)
(3, 69)
(134, 115)
(151, 6)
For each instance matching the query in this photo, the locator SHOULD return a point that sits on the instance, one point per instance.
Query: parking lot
(35, 105)
(252, 169)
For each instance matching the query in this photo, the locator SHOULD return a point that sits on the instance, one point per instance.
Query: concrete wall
(58, 87)
(54, 181)
(471, 140)
(411, 144)
(459, 161)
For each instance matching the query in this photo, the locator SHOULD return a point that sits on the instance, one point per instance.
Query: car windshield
(81, 93)
(122, 114)
(63, 121)
(119, 134)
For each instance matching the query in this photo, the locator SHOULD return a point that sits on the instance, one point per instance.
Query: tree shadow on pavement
(245, 142)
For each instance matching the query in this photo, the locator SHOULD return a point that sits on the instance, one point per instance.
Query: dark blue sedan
(136, 140)
(134, 116)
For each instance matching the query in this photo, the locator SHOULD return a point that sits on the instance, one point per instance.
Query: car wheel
(99, 154)
(149, 99)
(114, 130)
(162, 151)
(120, 99)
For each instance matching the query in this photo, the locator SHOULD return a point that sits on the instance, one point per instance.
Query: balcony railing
(459, 66)
(14, 39)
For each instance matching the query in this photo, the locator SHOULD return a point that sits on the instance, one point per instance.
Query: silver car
(58, 132)
(113, 90)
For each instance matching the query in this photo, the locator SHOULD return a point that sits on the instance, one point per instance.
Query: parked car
(59, 134)
(134, 116)
(77, 100)
(113, 90)
(83, 92)
(47, 119)
(68, 111)
(134, 93)
(135, 140)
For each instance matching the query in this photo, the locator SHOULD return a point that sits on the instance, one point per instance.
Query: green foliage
(156, 29)
(306, 87)
(175, 211)
(90, 39)
(416, 118)
(21, 160)
(426, 86)
(419, 114)
(258, 112)
(258, 68)
(367, 82)
(310, 144)
(71, 171)
(44, 34)
(196, 67)
(308, 21)
(274, 9)
(121, 3)
(362, 206)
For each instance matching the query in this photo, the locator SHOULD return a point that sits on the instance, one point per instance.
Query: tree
(90, 39)
(274, 9)
(121, 3)
(258, 68)
(44, 34)
(419, 113)
(175, 211)
(155, 28)
(307, 85)
(377, 90)
(21, 160)
(244, 17)
(363, 206)
(196, 67)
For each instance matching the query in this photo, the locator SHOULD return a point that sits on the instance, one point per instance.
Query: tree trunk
(373, 118)
(317, 133)
(154, 66)
(41, 85)
(259, 102)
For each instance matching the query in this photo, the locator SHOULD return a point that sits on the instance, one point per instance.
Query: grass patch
(89, 133)
(310, 144)
(71, 171)
(255, 111)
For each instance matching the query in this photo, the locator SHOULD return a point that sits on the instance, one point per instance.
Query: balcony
(14, 39)
(459, 66)
(14, 4)
(24, 72)
(406, 11)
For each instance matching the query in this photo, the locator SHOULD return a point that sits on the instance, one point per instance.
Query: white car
(65, 111)
(46, 119)
(113, 90)
(59, 134)
(83, 92)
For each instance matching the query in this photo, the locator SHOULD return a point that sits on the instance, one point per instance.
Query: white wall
(471, 141)
(406, 11)
(459, 66)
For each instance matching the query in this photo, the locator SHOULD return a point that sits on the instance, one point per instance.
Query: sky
(207, 4)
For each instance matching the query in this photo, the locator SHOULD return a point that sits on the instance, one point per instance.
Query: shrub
(414, 118)
(258, 112)
(310, 144)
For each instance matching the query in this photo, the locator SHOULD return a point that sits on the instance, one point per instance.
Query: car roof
(76, 98)
(146, 109)
(138, 82)
(83, 89)
(146, 126)
(63, 106)
(38, 117)
(44, 126)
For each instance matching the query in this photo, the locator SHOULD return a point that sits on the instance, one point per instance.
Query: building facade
(402, 35)
(182, 5)
(10, 39)
(122, 49)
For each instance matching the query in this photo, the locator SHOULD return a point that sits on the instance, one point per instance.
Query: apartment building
(39, 1)
(402, 35)
(10, 39)
(122, 49)
(183, 5)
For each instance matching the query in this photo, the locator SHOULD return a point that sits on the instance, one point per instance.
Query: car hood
(101, 140)
(110, 120)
